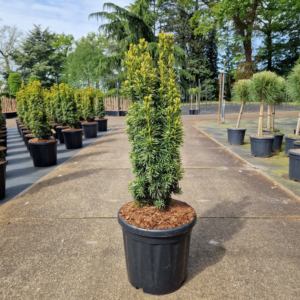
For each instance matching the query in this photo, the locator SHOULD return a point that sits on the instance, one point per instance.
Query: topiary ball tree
(14, 81)
(154, 129)
(88, 104)
(263, 89)
(241, 94)
(68, 105)
(293, 89)
(100, 110)
(39, 121)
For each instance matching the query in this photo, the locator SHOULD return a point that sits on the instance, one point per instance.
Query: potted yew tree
(156, 228)
(88, 112)
(59, 113)
(263, 89)
(73, 134)
(43, 148)
(240, 93)
(293, 88)
(100, 112)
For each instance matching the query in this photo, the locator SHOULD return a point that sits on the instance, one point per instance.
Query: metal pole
(88, 81)
(118, 99)
(206, 95)
(223, 100)
(199, 95)
(285, 101)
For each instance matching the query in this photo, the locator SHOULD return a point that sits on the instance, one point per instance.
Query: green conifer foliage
(14, 81)
(21, 96)
(33, 78)
(88, 104)
(39, 121)
(79, 94)
(68, 105)
(154, 129)
(2, 120)
(100, 111)
(54, 102)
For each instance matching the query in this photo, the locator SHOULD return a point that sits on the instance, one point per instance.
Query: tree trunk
(269, 117)
(240, 116)
(191, 101)
(298, 126)
(261, 120)
(273, 119)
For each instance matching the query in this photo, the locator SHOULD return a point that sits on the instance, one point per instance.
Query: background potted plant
(240, 93)
(79, 94)
(59, 113)
(155, 133)
(293, 89)
(88, 113)
(73, 134)
(3, 164)
(43, 148)
(280, 95)
(263, 89)
(100, 112)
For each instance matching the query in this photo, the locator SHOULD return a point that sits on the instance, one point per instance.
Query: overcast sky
(70, 17)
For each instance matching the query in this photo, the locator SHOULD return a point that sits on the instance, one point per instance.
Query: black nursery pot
(295, 131)
(297, 145)
(9, 115)
(194, 111)
(102, 124)
(4, 137)
(44, 154)
(261, 146)
(73, 138)
(236, 136)
(294, 165)
(3, 143)
(267, 131)
(2, 179)
(90, 129)
(4, 151)
(156, 260)
(277, 142)
(55, 134)
(59, 133)
(27, 138)
(289, 144)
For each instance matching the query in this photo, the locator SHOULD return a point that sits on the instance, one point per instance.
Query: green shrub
(154, 129)
(100, 110)
(293, 84)
(14, 81)
(54, 101)
(241, 91)
(33, 78)
(79, 95)
(88, 104)
(21, 96)
(68, 105)
(39, 120)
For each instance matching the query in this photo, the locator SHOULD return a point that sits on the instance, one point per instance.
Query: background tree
(14, 81)
(37, 56)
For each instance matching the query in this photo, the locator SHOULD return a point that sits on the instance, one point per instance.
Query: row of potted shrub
(3, 152)
(59, 113)
(268, 88)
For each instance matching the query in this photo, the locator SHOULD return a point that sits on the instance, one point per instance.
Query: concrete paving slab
(84, 259)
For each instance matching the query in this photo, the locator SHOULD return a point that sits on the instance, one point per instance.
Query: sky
(68, 16)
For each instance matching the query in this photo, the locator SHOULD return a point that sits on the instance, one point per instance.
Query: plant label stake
(223, 100)
(219, 108)
(199, 88)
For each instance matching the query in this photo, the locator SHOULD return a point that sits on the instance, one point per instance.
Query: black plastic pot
(102, 124)
(20, 129)
(156, 260)
(277, 142)
(295, 131)
(4, 137)
(294, 165)
(55, 134)
(73, 138)
(267, 131)
(2, 179)
(9, 115)
(27, 138)
(236, 136)
(90, 129)
(44, 154)
(261, 146)
(3, 143)
(194, 111)
(297, 145)
(289, 144)
(60, 135)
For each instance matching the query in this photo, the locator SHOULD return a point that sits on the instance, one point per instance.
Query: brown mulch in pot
(100, 118)
(2, 160)
(2, 148)
(149, 217)
(73, 129)
(62, 127)
(36, 140)
(88, 122)
(31, 134)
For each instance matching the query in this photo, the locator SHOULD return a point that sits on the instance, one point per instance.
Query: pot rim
(43, 143)
(261, 137)
(162, 233)
(236, 129)
(293, 153)
(292, 138)
(71, 131)
(89, 123)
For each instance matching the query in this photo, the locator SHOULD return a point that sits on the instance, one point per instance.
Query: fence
(8, 104)
(111, 106)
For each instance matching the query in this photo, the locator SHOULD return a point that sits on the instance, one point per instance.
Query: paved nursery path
(20, 172)
(61, 240)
